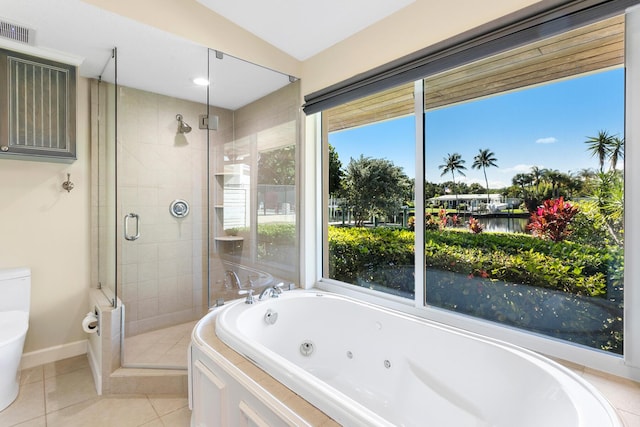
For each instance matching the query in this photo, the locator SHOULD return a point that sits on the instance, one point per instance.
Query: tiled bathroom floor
(623, 394)
(165, 348)
(62, 394)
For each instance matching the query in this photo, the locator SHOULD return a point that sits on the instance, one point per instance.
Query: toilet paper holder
(91, 322)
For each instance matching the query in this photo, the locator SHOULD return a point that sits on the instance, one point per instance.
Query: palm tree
(537, 174)
(616, 151)
(453, 163)
(574, 185)
(485, 159)
(600, 146)
(586, 174)
(553, 177)
(520, 180)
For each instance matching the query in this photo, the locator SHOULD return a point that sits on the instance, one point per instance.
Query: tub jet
(306, 348)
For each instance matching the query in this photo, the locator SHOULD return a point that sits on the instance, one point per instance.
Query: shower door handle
(127, 235)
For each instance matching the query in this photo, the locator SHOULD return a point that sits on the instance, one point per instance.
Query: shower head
(183, 127)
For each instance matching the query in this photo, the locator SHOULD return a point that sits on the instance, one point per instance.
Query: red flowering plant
(442, 215)
(430, 223)
(447, 221)
(552, 219)
(475, 226)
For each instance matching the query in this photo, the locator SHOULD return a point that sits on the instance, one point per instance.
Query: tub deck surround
(208, 344)
(361, 364)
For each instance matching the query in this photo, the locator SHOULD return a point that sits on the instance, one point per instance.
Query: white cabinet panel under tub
(223, 395)
(210, 408)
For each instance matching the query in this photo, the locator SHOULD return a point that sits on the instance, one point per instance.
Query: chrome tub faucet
(271, 291)
(233, 279)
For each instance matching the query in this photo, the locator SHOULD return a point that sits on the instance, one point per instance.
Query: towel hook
(68, 185)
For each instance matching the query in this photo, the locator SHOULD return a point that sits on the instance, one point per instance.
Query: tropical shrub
(474, 226)
(589, 225)
(446, 220)
(411, 223)
(431, 223)
(475, 274)
(354, 253)
(551, 220)
(372, 257)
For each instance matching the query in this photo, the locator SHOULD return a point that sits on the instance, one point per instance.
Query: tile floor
(62, 394)
(623, 394)
(166, 348)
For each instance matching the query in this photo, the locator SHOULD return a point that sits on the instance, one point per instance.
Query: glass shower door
(253, 146)
(103, 119)
(161, 214)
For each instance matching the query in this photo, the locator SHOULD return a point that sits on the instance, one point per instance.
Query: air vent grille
(15, 32)
(38, 105)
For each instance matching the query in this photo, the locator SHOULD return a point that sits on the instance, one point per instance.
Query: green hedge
(366, 256)
(277, 232)
(277, 243)
(357, 253)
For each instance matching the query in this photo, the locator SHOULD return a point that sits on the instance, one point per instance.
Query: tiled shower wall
(163, 273)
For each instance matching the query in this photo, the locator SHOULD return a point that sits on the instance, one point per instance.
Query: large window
(371, 161)
(523, 195)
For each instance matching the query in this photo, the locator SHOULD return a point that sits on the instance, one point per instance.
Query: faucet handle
(249, 293)
(278, 289)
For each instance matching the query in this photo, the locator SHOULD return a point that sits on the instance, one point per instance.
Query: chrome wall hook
(68, 185)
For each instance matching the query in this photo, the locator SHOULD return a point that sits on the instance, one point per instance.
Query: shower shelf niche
(232, 197)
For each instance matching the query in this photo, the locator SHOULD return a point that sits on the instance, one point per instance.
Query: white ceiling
(303, 28)
(148, 59)
(156, 61)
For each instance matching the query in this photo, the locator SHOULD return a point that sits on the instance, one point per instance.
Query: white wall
(45, 228)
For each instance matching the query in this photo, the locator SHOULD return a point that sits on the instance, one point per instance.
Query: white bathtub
(366, 365)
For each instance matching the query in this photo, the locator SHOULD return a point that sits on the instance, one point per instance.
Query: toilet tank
(15, 289)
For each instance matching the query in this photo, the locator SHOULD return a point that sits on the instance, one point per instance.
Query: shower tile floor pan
(162, 348)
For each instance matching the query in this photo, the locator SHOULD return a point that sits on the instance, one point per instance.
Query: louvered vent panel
(15, 32)
(38, 105)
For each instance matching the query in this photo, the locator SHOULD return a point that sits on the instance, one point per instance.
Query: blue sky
(545, 126)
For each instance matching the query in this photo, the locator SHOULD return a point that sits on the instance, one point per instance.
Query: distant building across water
(476, 202)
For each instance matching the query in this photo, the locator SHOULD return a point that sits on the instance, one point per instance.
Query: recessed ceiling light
(201, 81)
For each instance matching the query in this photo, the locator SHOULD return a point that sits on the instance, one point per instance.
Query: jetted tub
(366, 365)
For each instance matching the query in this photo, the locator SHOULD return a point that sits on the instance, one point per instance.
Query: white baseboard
(53, 354)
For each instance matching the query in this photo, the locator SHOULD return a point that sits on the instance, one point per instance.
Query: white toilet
(15, 294)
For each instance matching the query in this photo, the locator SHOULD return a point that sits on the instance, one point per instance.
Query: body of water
(504, 224)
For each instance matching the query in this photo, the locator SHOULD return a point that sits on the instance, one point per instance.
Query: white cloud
(498, 184)
(521, 168)
(547, 140)
(480, 180)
